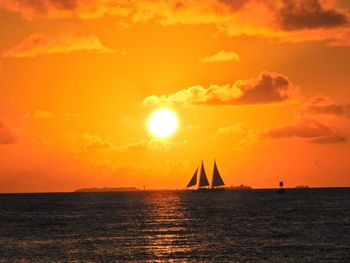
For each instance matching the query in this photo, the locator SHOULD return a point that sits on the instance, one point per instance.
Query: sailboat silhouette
(203, 183)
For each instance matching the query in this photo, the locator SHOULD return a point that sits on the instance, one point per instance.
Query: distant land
(242, 186)
(134, 189)
(302, 186)
(108, 189)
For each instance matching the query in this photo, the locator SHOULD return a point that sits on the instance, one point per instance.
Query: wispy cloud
(244, 137)
(6, 136)
(221, 56)
(323, 105)
(310, 129)
(39, 44)
(237, 128)
(150, 145)
(38, 114)
(40, 140)
(94, 142)
(42, 114)
(312, 123)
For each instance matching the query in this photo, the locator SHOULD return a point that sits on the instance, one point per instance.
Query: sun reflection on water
(166, 232)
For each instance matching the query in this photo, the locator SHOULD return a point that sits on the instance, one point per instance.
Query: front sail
(193, 180)
(203, 181)
(217, 180)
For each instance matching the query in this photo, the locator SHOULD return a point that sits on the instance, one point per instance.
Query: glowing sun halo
(163, 123)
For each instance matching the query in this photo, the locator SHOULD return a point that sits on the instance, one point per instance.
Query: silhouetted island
(108, 189)
(302, 186)
(239, 187)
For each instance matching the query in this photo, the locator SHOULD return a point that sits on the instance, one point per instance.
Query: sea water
(302, 225)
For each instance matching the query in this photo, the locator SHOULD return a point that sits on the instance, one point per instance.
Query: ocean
(302, 225)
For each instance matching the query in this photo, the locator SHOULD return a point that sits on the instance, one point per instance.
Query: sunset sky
(262, 86)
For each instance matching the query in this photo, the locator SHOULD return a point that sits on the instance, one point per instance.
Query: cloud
(221, 56)
(42, 114)
(193, 127)
(322, 105)
(236, 128)
(267, 88)
(39, 44)
(87, 142)
(40, 140)
(6, 136)
(38, 114)
(311, 130)
(51, 9)
(309, 126)
(251, 138)
(244, 137)
(333, 138)
(99, 145)
(301, 14)
(150, 145)
(94, 142)
(284, 20)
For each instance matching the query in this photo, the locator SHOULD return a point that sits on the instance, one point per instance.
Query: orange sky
(262, 86)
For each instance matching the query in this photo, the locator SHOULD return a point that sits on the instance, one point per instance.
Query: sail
(203, 181)
(217, 180)
(193, 180)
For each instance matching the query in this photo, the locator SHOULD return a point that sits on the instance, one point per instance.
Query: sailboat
(203, 183)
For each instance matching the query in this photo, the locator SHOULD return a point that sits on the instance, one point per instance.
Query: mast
(203, 180)
(217, 180)
(193, 180)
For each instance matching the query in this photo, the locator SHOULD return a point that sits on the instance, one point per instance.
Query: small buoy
(281, 189)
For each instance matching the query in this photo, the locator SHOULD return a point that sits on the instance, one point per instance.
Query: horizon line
(167, 189)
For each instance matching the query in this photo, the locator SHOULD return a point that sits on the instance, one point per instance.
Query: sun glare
(163, 123)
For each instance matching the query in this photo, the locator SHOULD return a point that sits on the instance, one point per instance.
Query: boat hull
(205, 190)
(217, 189)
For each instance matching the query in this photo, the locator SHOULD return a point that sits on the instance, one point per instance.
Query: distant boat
(203, 183)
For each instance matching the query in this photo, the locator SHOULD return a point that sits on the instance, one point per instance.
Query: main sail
(193, 180)
(203, 181)
(217, 180)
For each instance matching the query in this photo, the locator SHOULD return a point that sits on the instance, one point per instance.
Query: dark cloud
(301, 14)
(268, 88)
(322, 105)
(43, 6)
(6, 136)
(235, 5)
(334, 138)
(311, 130)
(59, 8)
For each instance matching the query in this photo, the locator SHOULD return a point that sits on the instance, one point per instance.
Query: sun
(163, 123)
